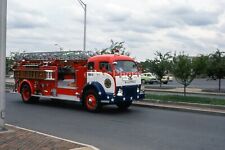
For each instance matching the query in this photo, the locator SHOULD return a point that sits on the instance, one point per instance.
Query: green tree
(115, 46)
(182, 69)
(200, 64)
(145, 65)
(160, 65)
(185, 68)
(216, 66)
(9, 63)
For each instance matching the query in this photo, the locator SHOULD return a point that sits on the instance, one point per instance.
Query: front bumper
(112, 99)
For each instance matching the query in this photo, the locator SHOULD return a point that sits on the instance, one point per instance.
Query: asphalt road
(135, 129)
(197, 83)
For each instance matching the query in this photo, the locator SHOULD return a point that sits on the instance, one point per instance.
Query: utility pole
(3, 12)
(84, 6)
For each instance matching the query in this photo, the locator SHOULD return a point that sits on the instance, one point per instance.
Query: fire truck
(92, 80)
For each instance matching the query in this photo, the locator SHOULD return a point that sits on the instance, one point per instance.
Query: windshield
(126, 66)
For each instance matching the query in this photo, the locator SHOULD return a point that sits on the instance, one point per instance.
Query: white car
(148, 78)
(165, 79)
(170, 78)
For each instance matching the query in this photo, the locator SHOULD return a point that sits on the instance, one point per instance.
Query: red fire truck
(93, 80)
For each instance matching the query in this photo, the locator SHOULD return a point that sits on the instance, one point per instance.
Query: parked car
(165, 79)
(148, 78)
(170, 78)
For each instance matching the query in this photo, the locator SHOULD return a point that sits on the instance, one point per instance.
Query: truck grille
(130, 90)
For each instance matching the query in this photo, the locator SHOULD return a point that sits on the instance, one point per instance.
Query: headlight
(138, 89)
(120, 92)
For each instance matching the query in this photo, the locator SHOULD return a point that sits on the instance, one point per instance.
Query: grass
(187, 99)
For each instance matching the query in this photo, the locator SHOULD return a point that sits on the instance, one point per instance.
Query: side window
(90, 65)
(105, 65)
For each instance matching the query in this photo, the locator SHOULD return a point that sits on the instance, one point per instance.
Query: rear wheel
(165, 82)
(26, 94)
(124, 105)
(91, 101)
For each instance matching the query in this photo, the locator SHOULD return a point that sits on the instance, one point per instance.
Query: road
(135, 129)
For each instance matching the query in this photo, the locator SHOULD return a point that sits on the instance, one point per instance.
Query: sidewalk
(24, 139)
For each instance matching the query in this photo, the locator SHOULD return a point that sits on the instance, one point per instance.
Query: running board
(61, 97)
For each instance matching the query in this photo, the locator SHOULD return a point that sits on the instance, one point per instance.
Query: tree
(185, 68)
(182, 69)
(9, 63)
(216, 66)
(145, 65)
(200, 64)
(160, 65)
(119, 46)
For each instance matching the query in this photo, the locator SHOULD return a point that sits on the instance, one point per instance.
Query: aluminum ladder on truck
(62, 55)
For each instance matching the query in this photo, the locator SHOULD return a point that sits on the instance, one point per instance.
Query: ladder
(62, 55)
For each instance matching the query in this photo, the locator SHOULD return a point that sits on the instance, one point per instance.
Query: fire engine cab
(93, 80)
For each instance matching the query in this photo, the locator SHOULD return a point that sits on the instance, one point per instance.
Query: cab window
(105, 65)
(91, 65)
(126, 66)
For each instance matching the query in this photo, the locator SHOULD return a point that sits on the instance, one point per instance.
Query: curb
(86, 146)
(186, 107)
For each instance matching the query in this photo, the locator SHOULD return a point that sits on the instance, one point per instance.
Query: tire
(143, 81)
(124, 105)
(91, 101)
(165, 82)
(26, 94)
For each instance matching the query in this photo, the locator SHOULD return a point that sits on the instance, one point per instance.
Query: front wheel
(124, 105)
(26, 94)
(91, 101)
(143, 81)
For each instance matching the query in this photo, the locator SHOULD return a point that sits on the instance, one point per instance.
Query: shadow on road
(68, 105)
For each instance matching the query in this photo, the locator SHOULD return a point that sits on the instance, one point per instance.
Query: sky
(146, 26)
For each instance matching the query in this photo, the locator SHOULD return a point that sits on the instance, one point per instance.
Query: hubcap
(91, 102)
(26, 94)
